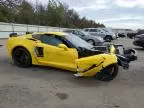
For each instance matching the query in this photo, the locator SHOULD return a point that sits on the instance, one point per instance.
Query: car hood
(97, 38)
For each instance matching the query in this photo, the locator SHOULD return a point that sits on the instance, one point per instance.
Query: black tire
(108, 73)
(90, 41)
(108, 38)
(21, 57)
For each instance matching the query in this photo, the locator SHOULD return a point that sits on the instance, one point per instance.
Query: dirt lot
(39, 87)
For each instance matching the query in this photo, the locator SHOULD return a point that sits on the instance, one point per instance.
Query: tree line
(54, 13)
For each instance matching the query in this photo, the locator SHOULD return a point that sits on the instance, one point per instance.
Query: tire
(108, 73)
(108, 38)
(21, 57)
(90, 41)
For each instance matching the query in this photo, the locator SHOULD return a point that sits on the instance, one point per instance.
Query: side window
(51, 40)
(93, 30)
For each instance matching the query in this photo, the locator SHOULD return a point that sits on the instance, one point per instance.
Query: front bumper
(125, 56)
(128, 56)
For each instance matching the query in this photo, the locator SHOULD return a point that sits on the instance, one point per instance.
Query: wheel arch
(20, 46)
(29, 56)
(30, 51)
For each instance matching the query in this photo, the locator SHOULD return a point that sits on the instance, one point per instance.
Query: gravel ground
(39, 87)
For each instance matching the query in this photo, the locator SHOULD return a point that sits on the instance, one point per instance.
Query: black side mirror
(13, 35)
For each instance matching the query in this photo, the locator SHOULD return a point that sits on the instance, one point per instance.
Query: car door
(55, 56)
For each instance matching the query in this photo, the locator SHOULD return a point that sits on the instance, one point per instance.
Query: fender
(89, 66)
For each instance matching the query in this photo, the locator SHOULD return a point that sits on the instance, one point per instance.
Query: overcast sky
(113, 13)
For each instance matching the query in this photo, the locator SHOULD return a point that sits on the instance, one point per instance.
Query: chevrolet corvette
(69, 52)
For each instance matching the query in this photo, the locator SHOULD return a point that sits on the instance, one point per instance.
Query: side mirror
(63, 46)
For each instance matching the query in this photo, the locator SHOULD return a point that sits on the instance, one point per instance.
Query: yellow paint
(60, 57)
(112, 49)
(101, 61)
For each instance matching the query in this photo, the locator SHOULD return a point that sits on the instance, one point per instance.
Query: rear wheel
(108, 73)
(22, 57)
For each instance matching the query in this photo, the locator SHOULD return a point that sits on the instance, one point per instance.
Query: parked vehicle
(139, 40)
(105, 33)
(69, 52)
(84, 35)
(131, 35)
(121, 35)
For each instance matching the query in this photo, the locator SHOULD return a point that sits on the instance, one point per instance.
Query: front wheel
(108, 73)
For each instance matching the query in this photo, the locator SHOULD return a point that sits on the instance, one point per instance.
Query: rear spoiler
(15, 34)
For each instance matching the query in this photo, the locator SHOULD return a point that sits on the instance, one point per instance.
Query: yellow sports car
(65, 51)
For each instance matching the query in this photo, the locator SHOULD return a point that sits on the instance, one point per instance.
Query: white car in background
(105, 33)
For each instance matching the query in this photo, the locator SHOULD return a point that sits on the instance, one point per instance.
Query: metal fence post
(47, 29)
(38, 29)
(27, 28)
(59, 29)
(12, 27)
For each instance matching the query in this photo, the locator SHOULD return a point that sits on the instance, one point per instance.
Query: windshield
(78, 42)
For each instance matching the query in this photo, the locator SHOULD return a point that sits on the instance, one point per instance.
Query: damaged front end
(124, 55)
(128, 56)
(104, 65)
(90, 66)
